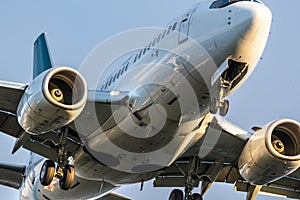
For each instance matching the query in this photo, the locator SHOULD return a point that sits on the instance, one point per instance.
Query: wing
(12, 175)
(214, 158)
(10, 95)
(45, 144)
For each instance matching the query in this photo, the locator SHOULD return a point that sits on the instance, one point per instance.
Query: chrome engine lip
(292, 127)
(83, 87)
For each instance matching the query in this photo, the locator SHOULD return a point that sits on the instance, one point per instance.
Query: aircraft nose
(254, 19)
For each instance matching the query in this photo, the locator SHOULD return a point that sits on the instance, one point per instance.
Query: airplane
(188, 86)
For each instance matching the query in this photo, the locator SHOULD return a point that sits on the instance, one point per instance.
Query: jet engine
(52, 100)
(271, 153)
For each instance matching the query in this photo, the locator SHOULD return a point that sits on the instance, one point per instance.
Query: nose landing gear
(219, 103)
(230, 78)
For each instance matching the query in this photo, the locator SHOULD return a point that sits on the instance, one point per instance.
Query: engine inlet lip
(81, 103)
(288, 126)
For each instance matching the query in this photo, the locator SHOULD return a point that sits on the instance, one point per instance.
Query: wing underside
(220, 164)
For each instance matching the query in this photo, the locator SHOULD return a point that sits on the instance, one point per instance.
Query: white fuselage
(171, 83)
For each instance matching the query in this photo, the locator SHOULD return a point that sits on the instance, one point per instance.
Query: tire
(66, 181)
(224, 109)
(214, 106)
(47, 172)
(176, 195)
(197, 196)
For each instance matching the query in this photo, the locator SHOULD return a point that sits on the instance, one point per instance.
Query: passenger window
(153, 43)
(110, 81)
(136, 57)
(140, 54)
(169, 30)
(144, 50)
(126, 67)
(115, 77)
(164, 33)
(174, 26)
(158, 39)
(149, 46)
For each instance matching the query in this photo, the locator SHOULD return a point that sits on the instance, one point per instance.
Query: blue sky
(75, 27)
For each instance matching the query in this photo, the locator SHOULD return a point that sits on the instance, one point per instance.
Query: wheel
(224, 109)
(66, 181)
(214, 106)
(197, 196)
(47, 172)
(176, 195)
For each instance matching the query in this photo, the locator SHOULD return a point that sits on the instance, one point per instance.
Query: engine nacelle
(271, 153)
(52, 100)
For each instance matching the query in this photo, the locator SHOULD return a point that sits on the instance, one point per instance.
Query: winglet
(41, 56)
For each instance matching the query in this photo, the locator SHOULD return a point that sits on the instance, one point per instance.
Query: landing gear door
(185, 26)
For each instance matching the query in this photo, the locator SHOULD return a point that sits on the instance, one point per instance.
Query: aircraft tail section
(12, 175)
(41, 57)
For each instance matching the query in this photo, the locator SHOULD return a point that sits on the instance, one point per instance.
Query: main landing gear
(178, 195)
(65, 175)
(64, 172)
(191, 177)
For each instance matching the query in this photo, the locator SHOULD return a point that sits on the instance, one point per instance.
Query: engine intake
(52, 100)
(271, 153)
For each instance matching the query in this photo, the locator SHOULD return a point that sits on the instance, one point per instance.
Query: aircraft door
(185, 26)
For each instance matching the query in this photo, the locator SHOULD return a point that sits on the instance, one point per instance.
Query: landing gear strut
(191, 177)
(219, 103)
(64, 172)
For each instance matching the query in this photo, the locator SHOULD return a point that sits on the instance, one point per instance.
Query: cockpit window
(224, 3)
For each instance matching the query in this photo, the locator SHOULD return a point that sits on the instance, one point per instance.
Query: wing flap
(270, 190)
(11, 175)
